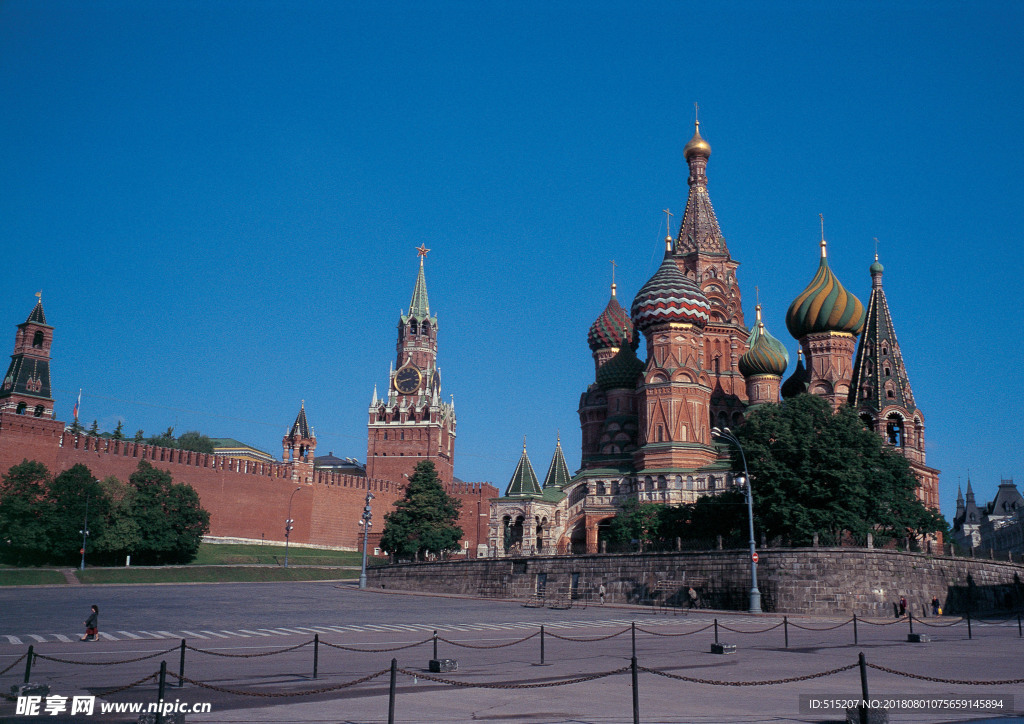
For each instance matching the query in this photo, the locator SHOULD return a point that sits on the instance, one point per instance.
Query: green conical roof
(524, 481)
(419, 306)
(558, 472)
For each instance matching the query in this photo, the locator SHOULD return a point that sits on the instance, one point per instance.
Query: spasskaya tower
(411, 422)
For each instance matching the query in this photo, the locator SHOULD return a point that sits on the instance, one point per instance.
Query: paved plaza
(250, 652)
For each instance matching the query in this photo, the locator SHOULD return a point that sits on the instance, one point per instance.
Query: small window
(39, 410)
(37, 340)
(21, 408)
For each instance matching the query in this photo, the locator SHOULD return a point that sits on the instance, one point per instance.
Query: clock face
(407, 380)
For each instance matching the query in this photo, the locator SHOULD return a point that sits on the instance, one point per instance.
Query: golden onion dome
(697, 145)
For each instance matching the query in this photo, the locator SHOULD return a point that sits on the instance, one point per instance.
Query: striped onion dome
(765, 354)
(621, 371)
(612, 328)
(670, 296)
(825, 306)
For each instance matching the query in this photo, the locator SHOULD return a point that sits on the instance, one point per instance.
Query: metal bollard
(160, 692)
(910, 617)
(181, 666)
(28, 663)
(716, 630)
(854, 629)
(1019, 634)
(316, 653)
(863, 710)
(391, 692)
(969, 636)
(633, 630)
(435, 645)
(785, 628)
(542, 644)
(636, 693)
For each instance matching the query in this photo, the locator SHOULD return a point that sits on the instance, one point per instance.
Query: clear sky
(220, 201)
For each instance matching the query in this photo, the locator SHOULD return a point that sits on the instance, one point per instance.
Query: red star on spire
(422, 250)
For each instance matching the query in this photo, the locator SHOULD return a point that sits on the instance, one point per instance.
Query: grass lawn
(226, 554)
(33, 577)
(211, 574)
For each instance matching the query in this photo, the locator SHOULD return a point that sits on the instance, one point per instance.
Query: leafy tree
(139, 436)
(67, 496)
(95, 429)
(196, 442)
(165, 439)
(818, 472)
(119, 431)
(170, 519)
(424, 521)
(24, 524)
(637, 521)
(120, 534)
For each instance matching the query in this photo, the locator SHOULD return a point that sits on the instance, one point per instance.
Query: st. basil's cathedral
(646, 424)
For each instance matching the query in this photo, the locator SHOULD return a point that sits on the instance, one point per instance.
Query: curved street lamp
(85, 530)
(366, 522)
(755, 595)
(288, 525)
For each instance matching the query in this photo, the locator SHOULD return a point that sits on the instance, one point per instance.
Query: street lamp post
(755, 595)
(84, 531)
(288, 525)
(366, 522)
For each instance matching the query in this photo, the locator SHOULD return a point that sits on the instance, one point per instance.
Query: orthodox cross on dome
(422, 250)
(39, 296)
(613, 276)
(876, 247)
(668, 221)
(822, 217)
(696, 112)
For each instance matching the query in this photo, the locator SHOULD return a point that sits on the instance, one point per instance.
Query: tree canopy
(424, 521)
(149, 517)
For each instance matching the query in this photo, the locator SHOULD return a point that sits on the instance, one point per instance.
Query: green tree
(76, 427)
(195, 441)
(119, 431)
(66, 509)
(24, 523)
(636, 522)
(120, 535)
(170, 519)
(818, 472)
(139, 436)
(94, 430)
(424, 521)
(165, 439)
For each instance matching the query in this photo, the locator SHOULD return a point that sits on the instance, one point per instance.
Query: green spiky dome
(612, 328)
(825, 306)
(621, 371)
(765, 354)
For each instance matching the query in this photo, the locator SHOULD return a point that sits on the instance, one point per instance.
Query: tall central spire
(419, 306)
(699, 230)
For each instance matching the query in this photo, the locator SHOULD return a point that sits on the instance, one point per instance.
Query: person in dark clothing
(935, 605)
(903, 606)
(92, 625)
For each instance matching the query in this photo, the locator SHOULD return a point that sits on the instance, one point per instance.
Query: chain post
(435, 645)
(28, 663)
(716, 630)
(316, 653)
(862, 709)
(542, 644)
(969, 636)
(1019, 634)
(910, 617)
(181, 666)
(632, 628)
(160, 692)
(636, 692)
(854, 629)
(785, 628)
(391, 691)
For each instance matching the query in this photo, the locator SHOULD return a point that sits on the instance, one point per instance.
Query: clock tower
(411, 422)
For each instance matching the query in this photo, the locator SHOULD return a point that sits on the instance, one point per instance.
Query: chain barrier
(965, 682)
(887, 623)
(826, 628)
(280, 694)
(600, 638)
(686, 633)
(939, 625)
(244, 656)
(143, 680)
(486, 685)
(103, 663)
(494, 646)
(767, 682)
(995, 621)
(375, 651)
(770, 628)
(14, 663)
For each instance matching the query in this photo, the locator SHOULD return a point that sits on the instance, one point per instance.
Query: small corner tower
(299, 447)
(826, 320)
(412, 422)
(26, 386)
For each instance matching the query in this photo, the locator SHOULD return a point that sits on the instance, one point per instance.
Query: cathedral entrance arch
(578, 536)
(513, 533)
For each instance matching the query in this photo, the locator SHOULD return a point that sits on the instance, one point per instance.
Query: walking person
(903, 606)
(935, 605)
(601, 592)
(92, 625)
(692, 595)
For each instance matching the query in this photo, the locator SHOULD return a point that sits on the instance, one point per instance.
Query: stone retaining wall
(795, 580)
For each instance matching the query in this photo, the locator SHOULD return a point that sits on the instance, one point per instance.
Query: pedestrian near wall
(92, 625)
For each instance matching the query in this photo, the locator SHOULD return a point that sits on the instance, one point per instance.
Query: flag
(78, 403)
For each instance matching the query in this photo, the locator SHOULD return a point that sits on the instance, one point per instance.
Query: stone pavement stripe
(129, 635)
(212, 633)
(271, 631)
(289, 630)
(62, 638)
(377, 627)
(150, 633)
(37, 637)
(336, 629)
(239, 635)
(12, 639)
(193, 634)
(168, 634)
(108, 637)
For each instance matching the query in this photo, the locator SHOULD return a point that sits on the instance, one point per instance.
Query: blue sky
(221, 200)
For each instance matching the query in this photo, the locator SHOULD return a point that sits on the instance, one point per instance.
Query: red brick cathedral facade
(248, 499)
(646, 424)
